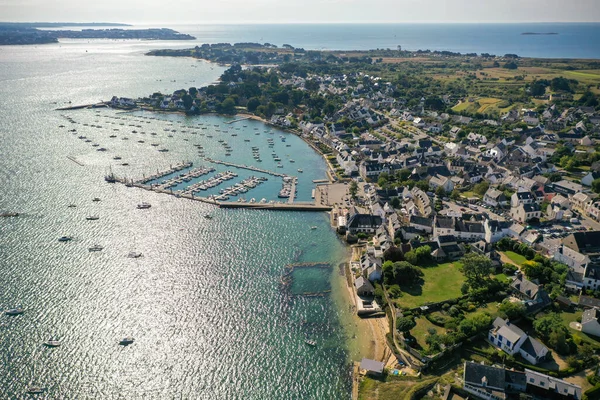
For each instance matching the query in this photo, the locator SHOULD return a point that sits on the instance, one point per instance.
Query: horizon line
(302, 22)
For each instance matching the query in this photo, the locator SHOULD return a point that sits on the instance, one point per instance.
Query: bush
(394, 291)
(436, 319)
(405, 324)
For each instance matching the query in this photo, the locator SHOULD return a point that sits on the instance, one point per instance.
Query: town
(467, 186)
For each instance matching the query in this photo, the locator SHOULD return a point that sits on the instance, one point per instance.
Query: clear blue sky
(285, 11)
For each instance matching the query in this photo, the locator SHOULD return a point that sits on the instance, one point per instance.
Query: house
(512, 340)
(526, 212)
(565, 187)
(579, 249)
(581, 202)
(547, 387)
(498, 151)
(441, 181)
(521, 197)
(591, 276)
(484, 381)
(496, 383)
(421, 223)
(447, 247)
(589, 178)
(494, 197)
(495, 230)
(364, 223)
(588, 302)
(590, 322)
(364, 287)
(534, 296)
(371, 367)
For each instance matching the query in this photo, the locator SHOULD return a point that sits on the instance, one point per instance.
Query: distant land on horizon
(59, 24)
(28, 33)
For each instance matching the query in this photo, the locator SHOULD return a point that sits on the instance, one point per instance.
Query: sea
(567, 40)
(220, 307)
(211, 316)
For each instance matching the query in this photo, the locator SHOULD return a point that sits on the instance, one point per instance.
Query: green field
(516, 258)
(441, 282)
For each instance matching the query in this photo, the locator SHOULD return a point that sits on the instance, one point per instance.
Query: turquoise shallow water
(204, 303)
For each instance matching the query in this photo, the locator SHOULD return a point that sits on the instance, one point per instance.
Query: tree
(353, 189)
(512, 310)
(455, 195)
(596, 185)
(253, 104)
(393, 254)
(405, 324)
(510, 65)
(227, 106)
(551, 329)
(187, 101)
(400, 273)
(440, 192)
(477, 269)
(419, 256)
(481, 188)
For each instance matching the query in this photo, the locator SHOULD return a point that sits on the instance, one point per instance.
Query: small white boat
(300, 170)
(310, 342)
(52, 342)
(14, 311)
(313, 227)
(126, 341)
(65, 238)
(133, 254)
(92, 217)
(35, 390)
(143, 206)
(96, 247)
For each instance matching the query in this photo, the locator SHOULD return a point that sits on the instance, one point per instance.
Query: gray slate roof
(477, 374)
(371, 365)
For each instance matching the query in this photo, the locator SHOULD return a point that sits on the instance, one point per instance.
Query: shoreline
(366, 337)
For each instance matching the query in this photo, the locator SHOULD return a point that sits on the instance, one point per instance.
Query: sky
(297, 11)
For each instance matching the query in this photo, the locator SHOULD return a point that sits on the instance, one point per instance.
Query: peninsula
(27, 33)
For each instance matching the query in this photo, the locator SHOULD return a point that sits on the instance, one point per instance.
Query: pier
(76, 161)
(248, 167)
(292, 192)
(174, 168)
(237, 120)
(94, 105)
(276, 206)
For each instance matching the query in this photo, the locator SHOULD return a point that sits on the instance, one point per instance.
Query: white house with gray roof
(590, 321)
(512, 340)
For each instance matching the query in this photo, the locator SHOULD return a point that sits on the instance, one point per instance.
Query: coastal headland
(27, 33)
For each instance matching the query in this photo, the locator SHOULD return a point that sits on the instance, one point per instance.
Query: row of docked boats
(210, 183)
(185, 177)
(287, 187)
(239, 188)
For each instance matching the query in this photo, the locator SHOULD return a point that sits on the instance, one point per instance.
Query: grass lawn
(516, 258)
(491, 308)
(441, 282)
(392, 389)
(421, 330)
(568, 317)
